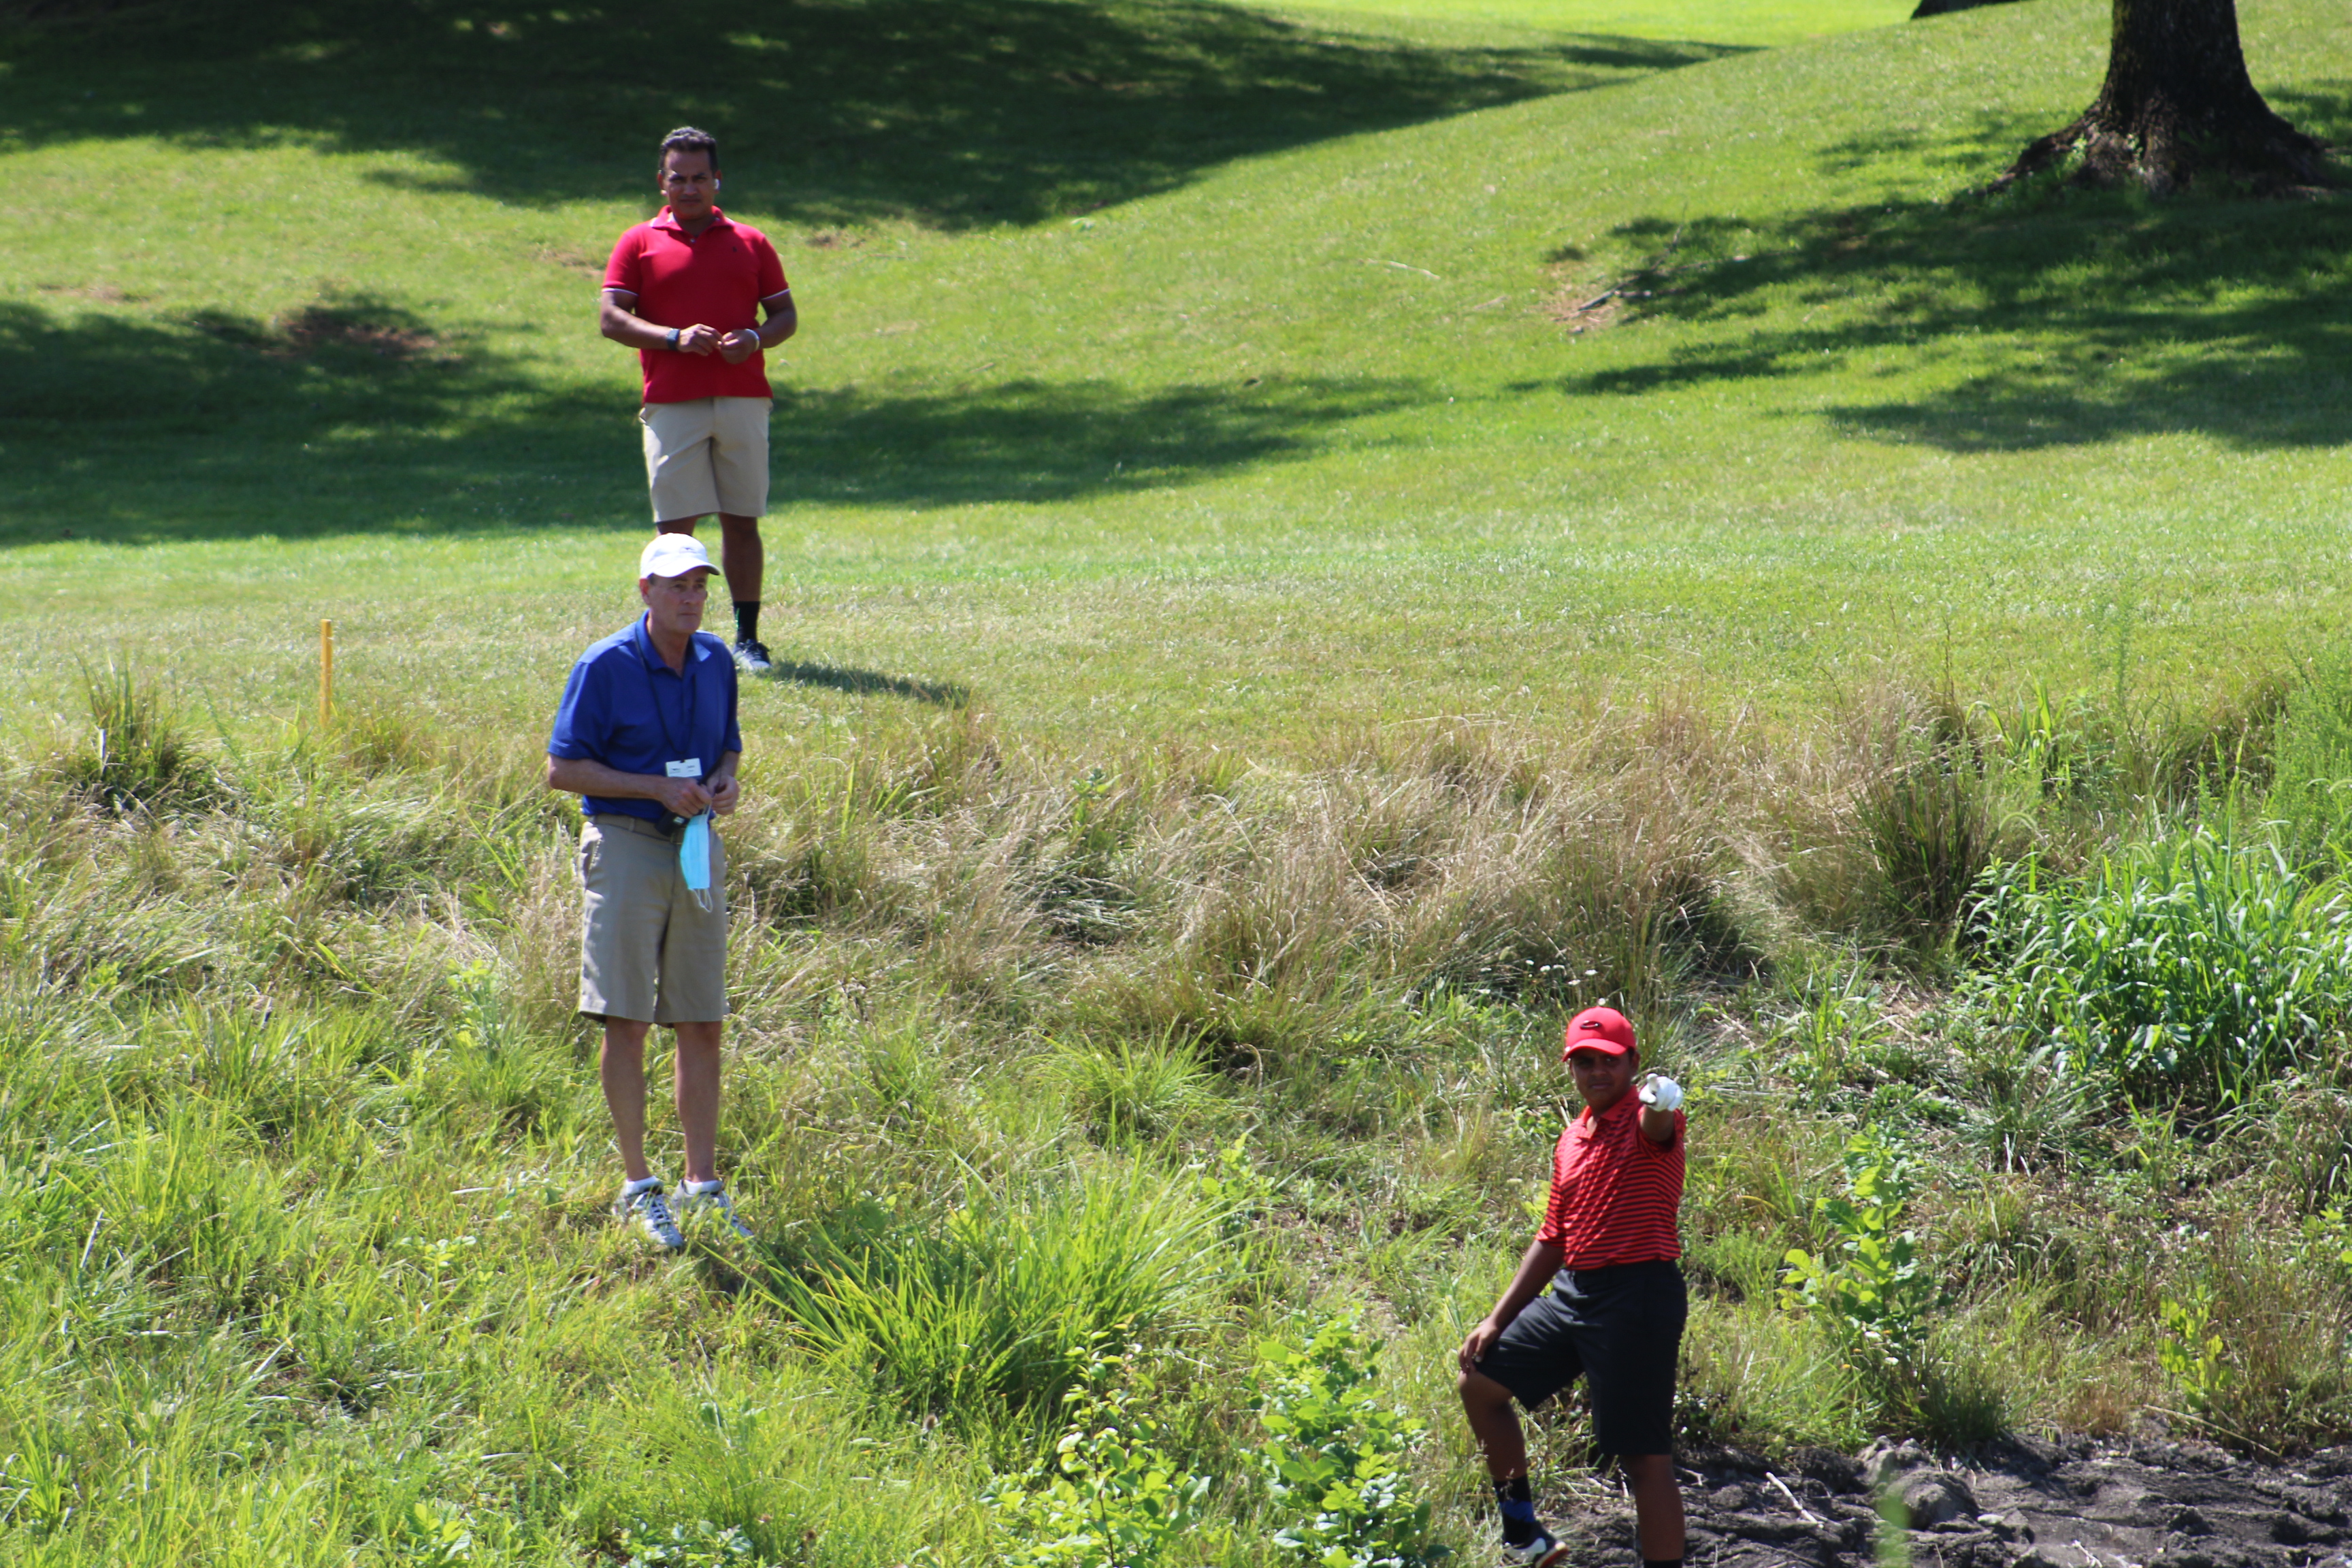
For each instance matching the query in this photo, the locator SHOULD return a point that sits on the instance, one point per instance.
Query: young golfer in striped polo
(1615, 1310)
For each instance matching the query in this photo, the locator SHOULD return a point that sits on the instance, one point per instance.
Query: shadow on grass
(867, 682)
(2043, 318)
(356, 416)
(951, 111)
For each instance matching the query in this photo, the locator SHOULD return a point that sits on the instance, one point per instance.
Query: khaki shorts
(709, 455)
(648, 953)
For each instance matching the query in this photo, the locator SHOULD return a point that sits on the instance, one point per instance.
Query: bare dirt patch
(569, 260)
(833, 239)
(1581, 311)
(2077, 1502)
(320, 324)
(104, 293)
(380, 332)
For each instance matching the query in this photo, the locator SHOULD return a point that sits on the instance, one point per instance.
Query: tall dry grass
(292, 1081)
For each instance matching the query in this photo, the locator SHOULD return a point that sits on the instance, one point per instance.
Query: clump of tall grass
(2188, 966)
(1926, 811)
(135, 753)
(1126, 1090)
(2311, 765)
(2257, 1330)
(998, 1308)
(1752, 1374)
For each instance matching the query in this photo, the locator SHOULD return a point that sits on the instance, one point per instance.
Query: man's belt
(606, 821)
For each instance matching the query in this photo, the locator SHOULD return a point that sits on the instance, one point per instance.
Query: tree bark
(2178, 107)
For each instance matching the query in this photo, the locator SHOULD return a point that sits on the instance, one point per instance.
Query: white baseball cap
(673, 555)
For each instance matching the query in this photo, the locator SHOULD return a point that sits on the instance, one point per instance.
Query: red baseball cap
(1602, 1029)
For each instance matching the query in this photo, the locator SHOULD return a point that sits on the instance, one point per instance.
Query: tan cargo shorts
(705, 456)
(649, 952)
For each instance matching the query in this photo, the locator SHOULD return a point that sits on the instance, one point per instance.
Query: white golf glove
(1661, 1092)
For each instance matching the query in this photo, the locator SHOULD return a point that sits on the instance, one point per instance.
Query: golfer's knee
(1480, 1391)
(1643, 1468)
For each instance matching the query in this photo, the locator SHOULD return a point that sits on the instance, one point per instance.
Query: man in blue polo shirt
(648, 736)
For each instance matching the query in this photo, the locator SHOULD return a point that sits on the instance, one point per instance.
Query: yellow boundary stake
(326, 671)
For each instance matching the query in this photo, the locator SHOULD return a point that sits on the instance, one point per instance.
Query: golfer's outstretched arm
(1536, 1270)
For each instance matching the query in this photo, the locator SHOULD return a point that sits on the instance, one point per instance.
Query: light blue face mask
(694, 858)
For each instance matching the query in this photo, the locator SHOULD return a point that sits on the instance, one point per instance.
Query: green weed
(2187, 966)
(2192, 1353)
(1110, 1496)
(700, 1544)
(1337, 1456)
(1876, 1288)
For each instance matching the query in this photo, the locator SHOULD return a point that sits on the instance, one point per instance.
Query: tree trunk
(2177, 107)
(1945, 8)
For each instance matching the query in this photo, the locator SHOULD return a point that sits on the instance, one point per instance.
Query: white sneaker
(1543, 1552)
(710, 1198)
(751, 657)
(646, 1206)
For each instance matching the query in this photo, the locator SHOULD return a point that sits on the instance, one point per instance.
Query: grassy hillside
(1741, 22)
(1317, 544)
(1294, 410)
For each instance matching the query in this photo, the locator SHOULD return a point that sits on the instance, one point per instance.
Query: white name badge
(691, 768)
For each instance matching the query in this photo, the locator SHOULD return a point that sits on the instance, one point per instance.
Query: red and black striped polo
(1614, 1194)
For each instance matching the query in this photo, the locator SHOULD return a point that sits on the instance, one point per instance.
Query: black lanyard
(686, 688)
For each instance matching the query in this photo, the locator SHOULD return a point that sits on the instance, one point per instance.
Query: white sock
(644, 1184)
(703, 1189)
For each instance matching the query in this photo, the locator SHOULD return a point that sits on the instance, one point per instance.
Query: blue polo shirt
(625, 708)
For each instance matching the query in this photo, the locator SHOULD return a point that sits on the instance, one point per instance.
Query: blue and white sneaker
(1543, 1552)
(642, 1202)
(751, 657)
(704, 1198)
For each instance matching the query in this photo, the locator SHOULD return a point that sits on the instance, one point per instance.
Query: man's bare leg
(742, 558)
(697, 1077)
(1495, 1425)
(622, 1067)
(1657, 1505)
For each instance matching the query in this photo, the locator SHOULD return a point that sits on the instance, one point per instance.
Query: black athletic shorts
(1619, 1328)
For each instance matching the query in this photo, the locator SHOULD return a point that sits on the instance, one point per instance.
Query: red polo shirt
(717, 279)
(1614, 1194)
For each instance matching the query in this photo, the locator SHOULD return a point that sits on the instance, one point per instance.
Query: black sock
(1517, 1507)
(1662, 1562)
(746, 620)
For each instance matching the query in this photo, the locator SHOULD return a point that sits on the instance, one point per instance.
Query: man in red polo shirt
(687, 292)
(1614, 1315)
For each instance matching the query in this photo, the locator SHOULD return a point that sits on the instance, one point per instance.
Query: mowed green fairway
(1168, 367)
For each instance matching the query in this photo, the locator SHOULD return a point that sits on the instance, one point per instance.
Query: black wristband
(673, 340)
